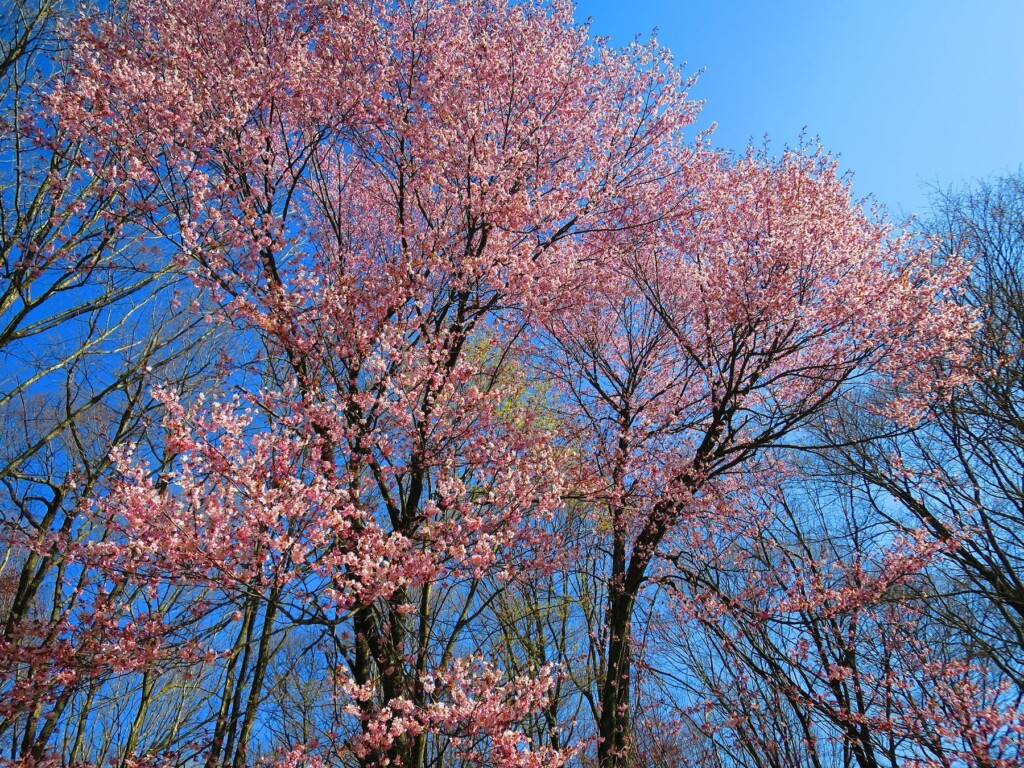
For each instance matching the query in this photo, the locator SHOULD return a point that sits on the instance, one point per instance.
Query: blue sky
(909, 93)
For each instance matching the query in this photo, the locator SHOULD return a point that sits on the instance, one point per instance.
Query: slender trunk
(231, 732)
(419, 757)
(623, 588)
(221, 727)
(256, 686)
(363, 671)
(140, 714)
(614, 725)
(76, 753)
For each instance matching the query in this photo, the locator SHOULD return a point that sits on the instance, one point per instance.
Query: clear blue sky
(907, 92)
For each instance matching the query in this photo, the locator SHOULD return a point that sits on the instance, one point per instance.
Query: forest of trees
(409, 384)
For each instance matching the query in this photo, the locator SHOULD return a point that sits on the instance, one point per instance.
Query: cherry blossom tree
(705, 345)
(382, 197)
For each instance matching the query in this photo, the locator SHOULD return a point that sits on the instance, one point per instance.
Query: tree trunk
(613, 727)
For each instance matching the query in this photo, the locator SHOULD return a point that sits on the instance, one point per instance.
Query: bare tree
(959, 477)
